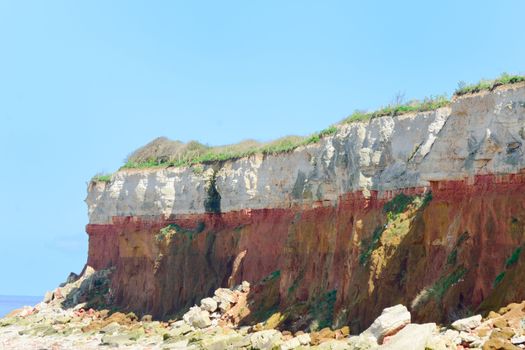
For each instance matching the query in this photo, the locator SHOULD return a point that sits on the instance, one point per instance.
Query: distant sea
(10, 302)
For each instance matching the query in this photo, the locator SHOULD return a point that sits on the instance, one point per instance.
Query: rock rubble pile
(56, 323)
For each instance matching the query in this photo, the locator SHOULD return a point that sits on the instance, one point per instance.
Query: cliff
(424, 209)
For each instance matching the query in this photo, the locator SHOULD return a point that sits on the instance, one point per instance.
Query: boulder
(110, 328)
(362, 343)
(265, 340)
(209, 304)
(518, 339)
(466, 324)
(437, 342)
(467, 337)
(117, 340)
(48, 297)
(73, 277)
(197, 317)
(334, 345)
(181, 344)
(304, 338)
(146, 318)
(499, 344)
(451, 335)
(413, 337)
(391, 320)
(290, 344)
(224, 295)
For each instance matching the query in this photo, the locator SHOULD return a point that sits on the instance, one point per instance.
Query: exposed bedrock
(425, 209)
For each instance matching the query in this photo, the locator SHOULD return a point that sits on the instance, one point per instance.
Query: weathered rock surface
(413, 336)
(467, 324)
(392, 319)
(209, 304)
(197, 317)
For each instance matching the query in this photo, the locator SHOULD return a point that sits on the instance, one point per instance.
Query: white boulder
(265, 340)
(224, 295)
(413, 337)
(390, 321)
(197, 317)
(208, 304)
(466, 324)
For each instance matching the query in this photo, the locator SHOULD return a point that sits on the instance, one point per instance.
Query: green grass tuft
(428, 104)
(484, 84)
(201, 154)
(102, 178)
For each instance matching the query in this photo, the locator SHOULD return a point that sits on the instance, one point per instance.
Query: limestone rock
(224, 295)
(450, 335)
(209, 304)
(437, 342)
(304, 338)
(334, 345)
(265, 340)
(197, 317)
(290, 344)
(413, 336)
(146, 318)
(117, 340)
(466, 324)
(48, 297)
(499, 344)
(518, 339)
(362, 343)
(110, 328)
(390, 321)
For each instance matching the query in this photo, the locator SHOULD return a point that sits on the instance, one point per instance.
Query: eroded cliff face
(424, 209)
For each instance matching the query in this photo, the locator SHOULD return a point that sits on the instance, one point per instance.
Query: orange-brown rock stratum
(425, 209)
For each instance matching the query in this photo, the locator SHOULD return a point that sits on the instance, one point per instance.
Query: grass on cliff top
(101, 178)
(163, 152)
(428, 104)
(504, 79)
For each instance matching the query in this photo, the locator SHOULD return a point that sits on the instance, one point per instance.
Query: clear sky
(83, 84)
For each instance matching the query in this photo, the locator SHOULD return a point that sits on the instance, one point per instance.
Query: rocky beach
(58, 323)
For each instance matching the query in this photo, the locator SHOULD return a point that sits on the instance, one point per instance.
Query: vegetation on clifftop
(100, 177)
(484, 84)
(163, 152)
(428, 104)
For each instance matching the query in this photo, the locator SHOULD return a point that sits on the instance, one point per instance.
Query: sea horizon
(9, 303)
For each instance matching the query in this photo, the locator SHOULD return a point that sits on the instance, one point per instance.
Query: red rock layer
(452, 249)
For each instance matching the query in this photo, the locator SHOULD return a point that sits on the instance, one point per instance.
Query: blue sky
(84, 84)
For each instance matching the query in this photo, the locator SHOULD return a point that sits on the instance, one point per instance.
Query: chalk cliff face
(424, 209)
